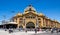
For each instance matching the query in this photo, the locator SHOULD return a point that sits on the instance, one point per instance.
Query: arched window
(39, 19)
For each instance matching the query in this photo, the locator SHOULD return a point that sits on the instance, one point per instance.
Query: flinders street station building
(31, 19)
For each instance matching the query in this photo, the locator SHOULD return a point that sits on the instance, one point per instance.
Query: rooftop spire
(29, 8)
(30, 5)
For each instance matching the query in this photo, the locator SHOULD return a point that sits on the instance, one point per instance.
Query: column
(48, 23)
(18, 22)
(24, 22)
(36, 22)
(42, 21)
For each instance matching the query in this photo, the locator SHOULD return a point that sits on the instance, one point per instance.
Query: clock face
(30, 15)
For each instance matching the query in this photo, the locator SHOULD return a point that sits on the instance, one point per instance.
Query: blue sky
(50, 8)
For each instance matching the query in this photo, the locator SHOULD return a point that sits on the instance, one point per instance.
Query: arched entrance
(21, 26)
(30, 25)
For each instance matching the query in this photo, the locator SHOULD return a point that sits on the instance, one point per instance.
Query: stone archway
(30, 25)
(21, 26)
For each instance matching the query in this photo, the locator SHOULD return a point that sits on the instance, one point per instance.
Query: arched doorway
(30, 25)
(21, 26)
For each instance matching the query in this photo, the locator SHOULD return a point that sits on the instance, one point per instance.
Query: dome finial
(30, 8)
(30, 5)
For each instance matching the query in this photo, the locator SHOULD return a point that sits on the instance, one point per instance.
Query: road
(2, 32)
(31, 33)
(48, 33)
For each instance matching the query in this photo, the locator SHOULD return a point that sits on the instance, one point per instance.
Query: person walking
(35, 30)
(52, 30)
(57, 30)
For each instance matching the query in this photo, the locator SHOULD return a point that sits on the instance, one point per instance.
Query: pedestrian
(26, 30)
(10, 30)
(35, 30)
(57, 30)
(51, 30)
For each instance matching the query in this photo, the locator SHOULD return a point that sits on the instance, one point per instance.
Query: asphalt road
(48, 33)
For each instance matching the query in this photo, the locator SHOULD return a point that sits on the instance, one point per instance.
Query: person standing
(52, 30)
(57, 30)
(35, 30)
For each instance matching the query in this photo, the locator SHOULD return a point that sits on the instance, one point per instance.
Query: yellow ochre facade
(31, 19)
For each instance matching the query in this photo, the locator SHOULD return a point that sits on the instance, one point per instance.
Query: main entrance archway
(21, 26)
(30, 25)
